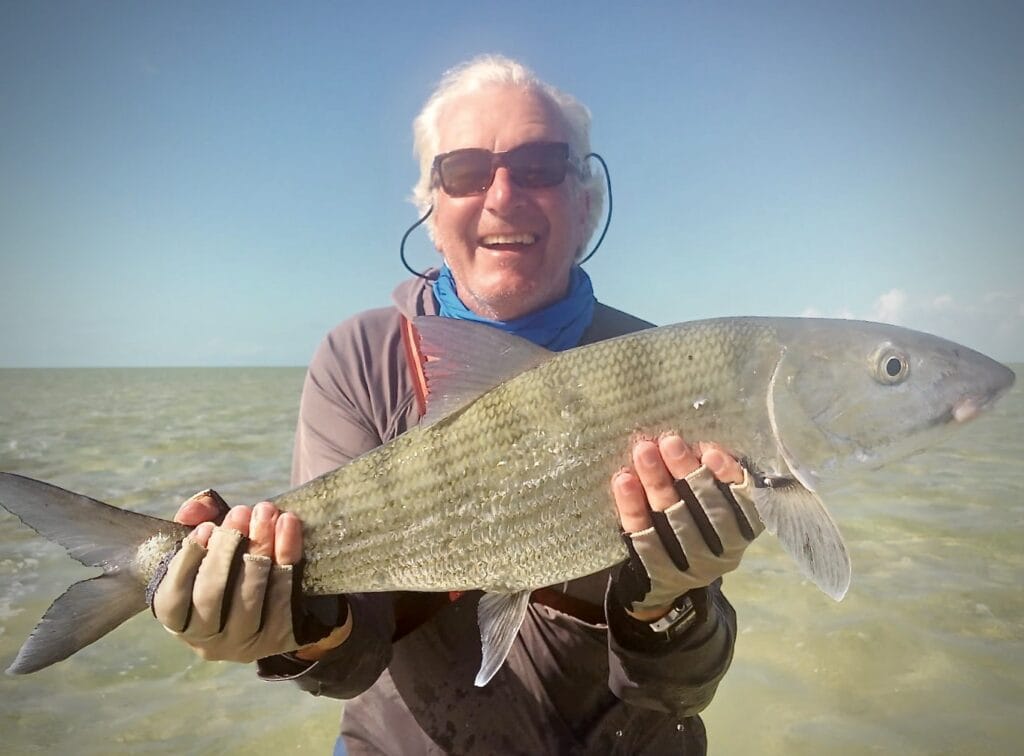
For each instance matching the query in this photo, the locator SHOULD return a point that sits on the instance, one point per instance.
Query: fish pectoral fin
(808, 533)
(500, 615)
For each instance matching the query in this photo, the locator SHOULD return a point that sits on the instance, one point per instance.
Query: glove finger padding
(212, 587)
(691, 544)
(171, 601)
(744, 524)
(229, 605)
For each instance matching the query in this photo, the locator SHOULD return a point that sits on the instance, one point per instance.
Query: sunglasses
(535, 165)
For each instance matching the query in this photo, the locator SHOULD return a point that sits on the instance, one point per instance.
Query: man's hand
(687, 515)
(231, 592)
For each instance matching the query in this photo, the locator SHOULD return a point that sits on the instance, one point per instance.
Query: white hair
(497, 70)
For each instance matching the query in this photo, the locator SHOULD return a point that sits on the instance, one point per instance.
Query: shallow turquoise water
(145, 440)
(925, 655)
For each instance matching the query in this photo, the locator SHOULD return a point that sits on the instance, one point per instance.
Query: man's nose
(503, 192)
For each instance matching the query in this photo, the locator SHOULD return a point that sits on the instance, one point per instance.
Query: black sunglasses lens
(538, 165)
(531, 166)
(465, 172)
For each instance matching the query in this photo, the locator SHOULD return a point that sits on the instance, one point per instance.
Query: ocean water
(924, 656)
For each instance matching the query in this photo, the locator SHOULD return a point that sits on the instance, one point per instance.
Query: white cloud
(991, 322)
(890, 306)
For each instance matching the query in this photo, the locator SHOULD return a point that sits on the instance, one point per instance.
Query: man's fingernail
(239, 513)
(201, 534)
(714, 461)
(649, 455)
(674, 446)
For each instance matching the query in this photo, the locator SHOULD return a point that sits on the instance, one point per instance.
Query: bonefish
(504, 486)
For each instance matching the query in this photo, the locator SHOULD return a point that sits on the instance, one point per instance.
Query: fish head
(846, 394)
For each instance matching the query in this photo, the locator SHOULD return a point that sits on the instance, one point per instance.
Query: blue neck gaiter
(557, 327)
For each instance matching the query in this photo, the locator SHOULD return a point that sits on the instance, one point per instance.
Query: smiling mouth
(508, 241)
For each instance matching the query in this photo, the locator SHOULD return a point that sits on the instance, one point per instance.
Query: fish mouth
(969, 406)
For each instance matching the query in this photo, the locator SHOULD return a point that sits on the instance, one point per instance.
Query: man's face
(510, 249)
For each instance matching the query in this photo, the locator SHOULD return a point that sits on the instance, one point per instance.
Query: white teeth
(508, 239)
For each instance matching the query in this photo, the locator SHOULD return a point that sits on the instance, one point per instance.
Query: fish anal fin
(464, 360)
(500, 616)
(798, 518)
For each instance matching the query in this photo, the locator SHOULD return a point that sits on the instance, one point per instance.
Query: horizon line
(152, 367)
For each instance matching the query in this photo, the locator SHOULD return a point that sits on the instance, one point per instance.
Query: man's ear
(585, 208)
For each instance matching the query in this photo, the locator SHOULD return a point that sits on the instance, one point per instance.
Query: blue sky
(218, 183)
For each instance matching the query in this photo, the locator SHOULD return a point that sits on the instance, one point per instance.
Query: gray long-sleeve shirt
(577, 679)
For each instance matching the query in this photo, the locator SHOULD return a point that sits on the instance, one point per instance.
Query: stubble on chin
(503, 293)
(497, 302)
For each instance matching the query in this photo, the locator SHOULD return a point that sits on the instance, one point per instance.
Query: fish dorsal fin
(807, 532)
(464, 360)
(500, 615)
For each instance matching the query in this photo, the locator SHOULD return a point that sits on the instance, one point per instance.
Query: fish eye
(891, 366)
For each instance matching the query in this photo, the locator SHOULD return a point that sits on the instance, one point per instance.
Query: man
(621, 661)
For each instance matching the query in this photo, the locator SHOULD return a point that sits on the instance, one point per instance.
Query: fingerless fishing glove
(691, 544)
(230, 605)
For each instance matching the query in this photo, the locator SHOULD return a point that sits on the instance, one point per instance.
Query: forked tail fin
(97, 535)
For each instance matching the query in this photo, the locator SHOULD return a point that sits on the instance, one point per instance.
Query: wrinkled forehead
(498, 118)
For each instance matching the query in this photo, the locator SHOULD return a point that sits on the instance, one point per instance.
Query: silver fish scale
(513, 491)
